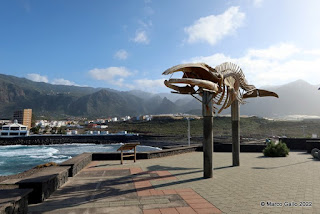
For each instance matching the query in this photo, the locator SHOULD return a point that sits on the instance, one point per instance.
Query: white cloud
(37, 78)
(312, 52)
(57, 81)
(267, 67)
(61, 81)
(213, 28)
(145, 24)
(281, 51)
(121, 54)
(257, 3)
(148, 10)
(112, 75)
(148, 83)
(141, 37)
(118, 76)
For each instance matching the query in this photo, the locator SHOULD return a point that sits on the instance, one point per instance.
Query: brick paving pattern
(176, 185)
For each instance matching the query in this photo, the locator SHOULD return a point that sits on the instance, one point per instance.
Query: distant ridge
(60, 101)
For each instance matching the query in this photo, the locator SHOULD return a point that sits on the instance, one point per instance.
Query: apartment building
(23, 117)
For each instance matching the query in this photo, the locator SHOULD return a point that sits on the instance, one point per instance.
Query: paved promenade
(175, 185)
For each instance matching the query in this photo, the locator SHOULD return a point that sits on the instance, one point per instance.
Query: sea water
(19, 158)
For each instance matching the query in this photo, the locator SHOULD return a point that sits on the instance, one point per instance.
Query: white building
(14, 129)
(101, 126)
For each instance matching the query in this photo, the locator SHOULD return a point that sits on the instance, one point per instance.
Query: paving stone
(133, 202)
(185, 210)
(172, 204)
(232, 189)
(169, 211)
(150, 201)
(116, 203)
(152, 211)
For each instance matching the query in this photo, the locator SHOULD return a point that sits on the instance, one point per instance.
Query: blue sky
(127, 44)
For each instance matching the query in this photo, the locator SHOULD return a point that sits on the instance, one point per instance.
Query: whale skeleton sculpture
(224, 85)
(226, 82)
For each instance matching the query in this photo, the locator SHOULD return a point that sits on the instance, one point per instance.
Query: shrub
(276, 150)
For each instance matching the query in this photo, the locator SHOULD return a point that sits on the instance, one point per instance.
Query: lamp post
(188, 119)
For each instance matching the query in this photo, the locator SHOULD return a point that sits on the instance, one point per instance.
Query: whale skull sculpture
(226, 82)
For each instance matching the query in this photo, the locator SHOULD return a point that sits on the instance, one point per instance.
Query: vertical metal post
(235, 118)
(207, 134)
(188, 131)
(121, 156)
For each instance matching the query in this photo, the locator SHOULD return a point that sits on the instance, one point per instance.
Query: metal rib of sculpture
(226, 82)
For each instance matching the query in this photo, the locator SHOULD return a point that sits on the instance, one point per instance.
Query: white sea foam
(23, 157)
(28, 151)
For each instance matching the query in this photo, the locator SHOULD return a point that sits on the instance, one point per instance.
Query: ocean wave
(29, 151)
(74, 144)
(62, 160)
(17, 158)
(61, 157)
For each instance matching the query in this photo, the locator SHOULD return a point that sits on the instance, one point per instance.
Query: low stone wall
(77, 163)
(224, 147)
(43, 183)
(311, 144)
(295, 143)
(172, 151)
(62, 139)
(301, 143)
(14, 201)
(218, 147)
(148, 155)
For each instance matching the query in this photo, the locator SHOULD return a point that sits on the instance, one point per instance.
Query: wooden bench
(128, 147)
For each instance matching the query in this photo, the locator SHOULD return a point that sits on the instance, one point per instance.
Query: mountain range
(60, 101)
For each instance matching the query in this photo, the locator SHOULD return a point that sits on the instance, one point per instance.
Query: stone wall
(295, 143)
(77, 163)
(61, 139)
(14, 201)
(43, 183)
(227, 147)
(147, 155)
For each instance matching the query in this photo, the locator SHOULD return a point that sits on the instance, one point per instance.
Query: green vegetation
(251, 127)
(62, 130)
(276, 150)
(35, 130)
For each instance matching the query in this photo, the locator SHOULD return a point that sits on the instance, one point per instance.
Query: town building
(14, 129)
(23, 117)
(5, 121)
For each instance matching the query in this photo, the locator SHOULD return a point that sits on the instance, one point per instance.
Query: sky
(127, 44)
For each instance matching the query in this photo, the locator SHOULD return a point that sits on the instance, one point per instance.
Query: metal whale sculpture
(226, 82)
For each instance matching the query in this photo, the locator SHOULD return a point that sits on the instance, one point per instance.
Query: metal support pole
(207, 134)
(188, 131)
(235, 118)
